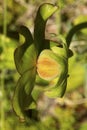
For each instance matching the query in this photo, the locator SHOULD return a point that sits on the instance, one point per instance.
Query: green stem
(2, 102)
(3, 71)
(68, 40)
(85, 87)
(5, 17)
(74, 30)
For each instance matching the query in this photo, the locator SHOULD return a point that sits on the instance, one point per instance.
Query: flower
(38, 56)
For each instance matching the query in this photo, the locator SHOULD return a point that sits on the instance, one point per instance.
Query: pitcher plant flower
(39, 58)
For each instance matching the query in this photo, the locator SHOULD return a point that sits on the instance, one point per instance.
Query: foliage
(7, 48)
(56, 114)
(83, 126)
(28, 62)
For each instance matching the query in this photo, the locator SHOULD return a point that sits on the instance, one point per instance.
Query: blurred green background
(67, 113)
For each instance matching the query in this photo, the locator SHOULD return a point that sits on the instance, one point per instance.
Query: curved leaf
(20, 56)
(44, 12)
(22, 97)
(27, 35)
(27, 60)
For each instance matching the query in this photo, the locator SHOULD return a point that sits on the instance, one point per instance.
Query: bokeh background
(67, 113)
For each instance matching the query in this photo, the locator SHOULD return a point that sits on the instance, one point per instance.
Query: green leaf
(44, 12)
(25, 60)
(27, 35)
(47, 10)
(22, 97)
(25, 54)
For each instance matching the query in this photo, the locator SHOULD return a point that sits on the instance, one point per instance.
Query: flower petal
(47, 66)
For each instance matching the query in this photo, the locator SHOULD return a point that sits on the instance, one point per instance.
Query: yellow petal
(47, 67)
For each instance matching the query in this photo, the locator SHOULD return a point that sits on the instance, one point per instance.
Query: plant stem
(73, 31)
(5, 17)
(2, 102)
(58, 19)
(3, 71)
(85, 87)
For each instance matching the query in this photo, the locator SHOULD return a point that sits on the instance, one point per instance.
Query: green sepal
(23, 30)
(58, 89)
(25, 53)
(41, 82)
(47, 10)
(26, 61)
(22, 99)
(61, 48)
(73, 30)
(44, 12)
